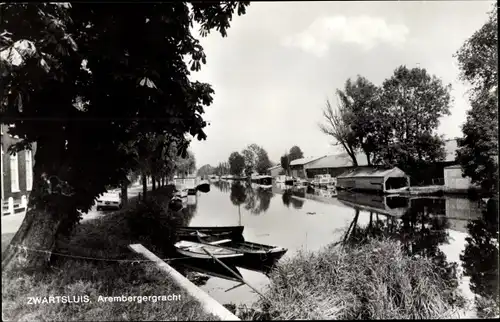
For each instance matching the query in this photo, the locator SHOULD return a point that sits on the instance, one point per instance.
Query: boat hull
(210, 233)
(197, 251)
(259, 255)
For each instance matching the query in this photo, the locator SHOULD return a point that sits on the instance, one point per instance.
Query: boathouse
(334, 165)
(299, 166)
(373, 179)
(275, 171)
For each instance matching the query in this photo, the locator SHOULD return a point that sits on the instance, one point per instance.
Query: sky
(281, 61)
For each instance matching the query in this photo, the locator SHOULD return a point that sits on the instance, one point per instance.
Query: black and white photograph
(249, 160)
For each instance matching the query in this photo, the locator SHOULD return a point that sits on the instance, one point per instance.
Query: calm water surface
(448, 229)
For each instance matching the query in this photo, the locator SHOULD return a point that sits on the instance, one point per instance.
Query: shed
(299, 166)
(275, 171)
(453, 180)
(373, 179)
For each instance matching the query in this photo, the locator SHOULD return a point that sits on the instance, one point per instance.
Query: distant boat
(181, 191)
(289, 181)
(301, 182)
(203, 186)
(262, 179)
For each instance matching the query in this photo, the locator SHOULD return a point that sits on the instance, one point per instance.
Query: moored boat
(258, 253)
(203, 186)
(197, 250)
(212, 233)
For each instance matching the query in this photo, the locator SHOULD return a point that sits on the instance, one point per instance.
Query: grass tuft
(374, 281)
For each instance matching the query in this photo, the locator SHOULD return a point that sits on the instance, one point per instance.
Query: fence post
(11, 205)
(24, 202)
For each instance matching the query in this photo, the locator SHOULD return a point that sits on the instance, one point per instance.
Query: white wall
(453, 179)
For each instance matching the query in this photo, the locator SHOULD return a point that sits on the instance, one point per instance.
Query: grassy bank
(107, 269)
(372, 281)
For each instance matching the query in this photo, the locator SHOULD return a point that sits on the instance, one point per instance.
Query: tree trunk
(153, 179)
(44, 214)
(124, 193)
(351, 154)
(144, 178)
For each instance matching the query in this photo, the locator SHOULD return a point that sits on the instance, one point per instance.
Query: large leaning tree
(478, 148)
(79, 80)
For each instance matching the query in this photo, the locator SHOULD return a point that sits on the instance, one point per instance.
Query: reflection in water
(429, 226)
(288, 199)
(480, 258)
(223, 186)
(423, 228)
(238, 196)
(258, 199)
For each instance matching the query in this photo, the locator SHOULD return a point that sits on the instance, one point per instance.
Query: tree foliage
(205, 170)
(415, 102)
(185, 166)
(256, 159)
(337, 125)
(135, 82)
(295, 153)
(236, 164)
(222, 169)
(285, 162)
(263, 162)
(394, 124)
(478, 148)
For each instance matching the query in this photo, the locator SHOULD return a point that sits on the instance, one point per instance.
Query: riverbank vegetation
(376, 280)
(95, 261)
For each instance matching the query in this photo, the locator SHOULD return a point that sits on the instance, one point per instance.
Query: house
(334, 165)
(17, 174)
(454, 182)
(275, 171)
(373, 180)
(299, 166)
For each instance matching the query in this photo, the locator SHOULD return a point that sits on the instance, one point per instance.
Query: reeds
(373, 281)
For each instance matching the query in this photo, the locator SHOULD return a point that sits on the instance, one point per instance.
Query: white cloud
(363, 30)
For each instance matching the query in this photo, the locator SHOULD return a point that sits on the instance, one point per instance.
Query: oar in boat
(234, 273)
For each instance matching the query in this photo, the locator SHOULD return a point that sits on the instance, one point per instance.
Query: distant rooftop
(304, 160)
(275, 167)
(338, 161)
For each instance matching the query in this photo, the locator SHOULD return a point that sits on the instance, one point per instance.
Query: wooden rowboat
(196, 250)
(258, 253)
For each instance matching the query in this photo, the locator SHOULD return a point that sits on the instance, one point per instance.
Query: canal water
(451, 230)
